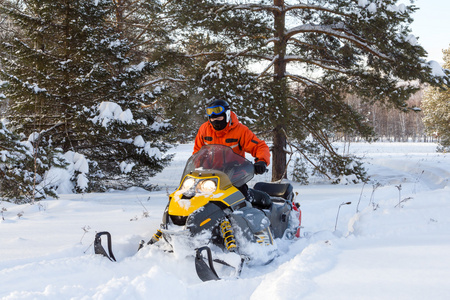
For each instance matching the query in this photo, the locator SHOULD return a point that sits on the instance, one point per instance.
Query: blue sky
(431, 26)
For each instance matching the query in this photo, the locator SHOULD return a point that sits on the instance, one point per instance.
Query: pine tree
(23, 165)
(436, 109)
(311, 56)
(71, 64)
(15, 179)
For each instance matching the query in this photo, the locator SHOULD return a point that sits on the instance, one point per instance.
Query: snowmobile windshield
(221, 158)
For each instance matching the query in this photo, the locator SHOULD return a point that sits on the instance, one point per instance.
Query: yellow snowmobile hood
(184, 202)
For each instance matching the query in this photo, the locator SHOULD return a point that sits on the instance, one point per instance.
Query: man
(224, 128)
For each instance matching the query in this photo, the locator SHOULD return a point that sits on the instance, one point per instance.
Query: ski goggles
(215, 110)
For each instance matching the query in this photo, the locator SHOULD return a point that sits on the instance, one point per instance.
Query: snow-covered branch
(293, 41)
(304, 80)
(319, 63)
(250, 6)
(155, 81)
(268, 66)
(330, 30)
(203, 54)
(280, 9)
(312, 7)
(245, 53)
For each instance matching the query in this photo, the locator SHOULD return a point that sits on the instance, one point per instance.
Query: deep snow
(379, 250)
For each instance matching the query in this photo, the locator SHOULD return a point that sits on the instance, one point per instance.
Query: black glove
(260, 167)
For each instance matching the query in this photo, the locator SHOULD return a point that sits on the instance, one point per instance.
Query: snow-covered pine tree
(23, 165)
(311, 56)
(69, 64)
(15, 178)
(436, 110)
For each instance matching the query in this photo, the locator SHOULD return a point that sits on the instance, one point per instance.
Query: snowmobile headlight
(206, 186)
(188, 183)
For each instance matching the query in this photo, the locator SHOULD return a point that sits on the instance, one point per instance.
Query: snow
(139, 141)
(362, 3)
(80, 162)
(412, 40)
(112, 111)
(391, 242)
(372, 8)
(138, 68)
(436, 69)
(402, 8)
(36, 89)
(126, 167)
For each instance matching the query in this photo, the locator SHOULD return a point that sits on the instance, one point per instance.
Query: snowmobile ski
(206, 271)
(98, 248)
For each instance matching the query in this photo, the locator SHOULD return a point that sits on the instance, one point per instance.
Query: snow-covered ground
(374, 249)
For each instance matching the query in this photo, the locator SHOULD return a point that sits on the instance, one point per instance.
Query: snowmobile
(209, 213)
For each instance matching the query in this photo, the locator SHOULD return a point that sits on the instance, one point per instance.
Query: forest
(104, 88)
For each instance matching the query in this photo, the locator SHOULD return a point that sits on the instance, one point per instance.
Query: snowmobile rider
(224, 128)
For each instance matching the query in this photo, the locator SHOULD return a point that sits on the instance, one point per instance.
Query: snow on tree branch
(109, 111)
(161, 79)
(318, 63)
(436, 69)
(268, 66)
(250, 6)
(305, 80)
(312, 7)
(274, 8)
(330, 30)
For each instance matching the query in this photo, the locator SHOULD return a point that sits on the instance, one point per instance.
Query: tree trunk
(279, 154)
(279, 137)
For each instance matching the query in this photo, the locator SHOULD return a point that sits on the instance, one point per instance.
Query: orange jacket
(235, 135)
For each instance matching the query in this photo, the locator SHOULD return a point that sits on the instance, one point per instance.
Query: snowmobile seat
(283, 190)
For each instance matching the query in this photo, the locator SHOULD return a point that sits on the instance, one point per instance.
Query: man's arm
(256, 147)
(198, 140)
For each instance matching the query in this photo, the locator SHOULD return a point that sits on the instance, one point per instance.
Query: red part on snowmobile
(297, 209)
